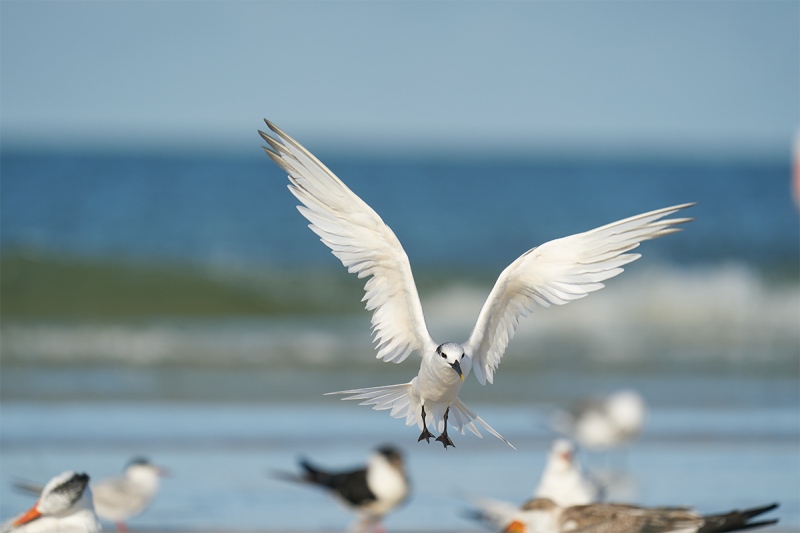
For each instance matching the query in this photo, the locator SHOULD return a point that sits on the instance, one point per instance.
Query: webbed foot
(426, 435)
(445, 440)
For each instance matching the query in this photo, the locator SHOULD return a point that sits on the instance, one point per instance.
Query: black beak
(457, 367)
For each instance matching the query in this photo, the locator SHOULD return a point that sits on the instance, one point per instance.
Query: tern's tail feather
(405, 404)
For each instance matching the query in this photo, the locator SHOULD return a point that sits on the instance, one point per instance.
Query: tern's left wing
(558, 272)
(365, 245)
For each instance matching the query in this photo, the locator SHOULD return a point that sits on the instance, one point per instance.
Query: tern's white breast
(438, 382)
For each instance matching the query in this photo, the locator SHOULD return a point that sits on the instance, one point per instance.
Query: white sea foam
(726, 311)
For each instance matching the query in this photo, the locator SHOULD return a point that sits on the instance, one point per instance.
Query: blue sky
(675, 77)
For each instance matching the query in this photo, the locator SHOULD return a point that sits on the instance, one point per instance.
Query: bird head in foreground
(538, 514)
(61, 494)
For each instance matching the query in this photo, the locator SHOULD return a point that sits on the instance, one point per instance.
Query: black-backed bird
(372, 490)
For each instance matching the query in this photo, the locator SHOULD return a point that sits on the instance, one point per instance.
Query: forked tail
(405, 404)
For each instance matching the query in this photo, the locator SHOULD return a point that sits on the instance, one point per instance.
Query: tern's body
(64, 506)
(121, 498)
(555, 273)
(371, 491)
(544, 516)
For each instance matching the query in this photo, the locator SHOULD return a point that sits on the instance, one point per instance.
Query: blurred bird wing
(29, 487)
(364, 244)
(602, 518)
(558, 272)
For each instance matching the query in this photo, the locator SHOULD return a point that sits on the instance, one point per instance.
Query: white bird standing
(556, 272)
(563, 481)
(372, 491)
(120, 498)
(64, 506)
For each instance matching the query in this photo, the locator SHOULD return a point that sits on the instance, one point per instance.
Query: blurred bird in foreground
(604, 423)
(120, 498)
(554, 273)
(371, 491)
(562, 481)
(64, 506)
(542, 515)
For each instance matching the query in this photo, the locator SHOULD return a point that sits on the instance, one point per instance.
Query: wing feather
(364, 244)
(556, 273)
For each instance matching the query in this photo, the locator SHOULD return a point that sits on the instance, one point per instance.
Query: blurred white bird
(64, 506)
(604, 423)
(556, 272)
(544, 516)
(563, 480)
(120, 498)
(371, 491)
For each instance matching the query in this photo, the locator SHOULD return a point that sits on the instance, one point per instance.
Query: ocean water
(482, 212)
(178, 307)
(221, 456)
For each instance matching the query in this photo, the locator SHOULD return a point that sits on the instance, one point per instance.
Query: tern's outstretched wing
(558, 272)
(365, 245)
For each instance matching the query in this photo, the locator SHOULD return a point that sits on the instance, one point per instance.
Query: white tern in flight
(556, 272)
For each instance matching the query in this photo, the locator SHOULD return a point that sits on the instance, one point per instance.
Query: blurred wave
(185, 262)
(654, 317)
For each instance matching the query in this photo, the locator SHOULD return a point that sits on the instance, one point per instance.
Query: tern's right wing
(364, 244)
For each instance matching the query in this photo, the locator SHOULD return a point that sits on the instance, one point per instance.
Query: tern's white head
(390, 455)
(628, 410)
(144, 474)
(562, 455)
(63, 495)
(452, 355)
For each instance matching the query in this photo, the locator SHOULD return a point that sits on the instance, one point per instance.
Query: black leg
(425, 433)
(443, 438)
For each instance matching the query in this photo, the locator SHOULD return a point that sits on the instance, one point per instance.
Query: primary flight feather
(556, 272)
